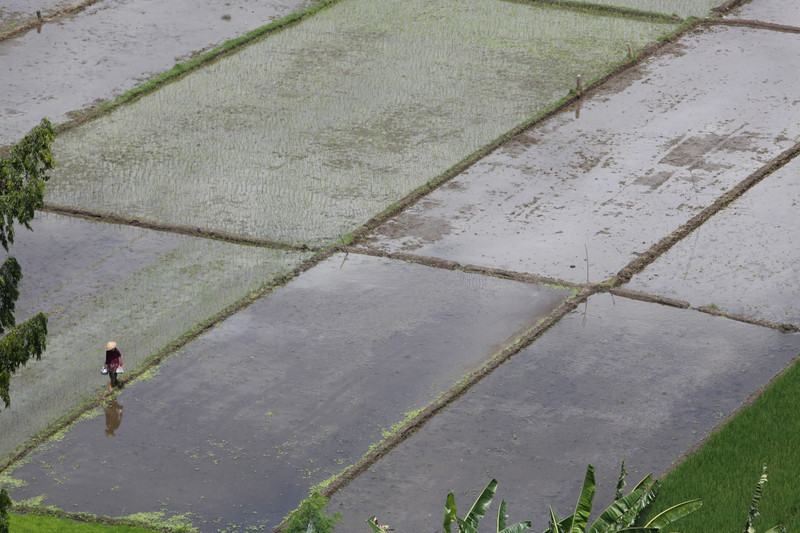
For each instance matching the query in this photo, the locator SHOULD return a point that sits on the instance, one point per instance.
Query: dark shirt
(112, 356)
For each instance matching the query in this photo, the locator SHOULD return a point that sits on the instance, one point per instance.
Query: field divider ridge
(650, 298)
(410, 426)
(447, 264)
(646, 258)
(755, 24)
(783, 328)
(193, 231)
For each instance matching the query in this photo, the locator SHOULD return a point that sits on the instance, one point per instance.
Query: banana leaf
(753, 512)
(502, 516)
(675, 512)
(562, 524)
(517, 528)
(584, 506)
(449, 512)
(621, 481)
(481, 505)
(466, 527)
(607, 522)
(554, 524)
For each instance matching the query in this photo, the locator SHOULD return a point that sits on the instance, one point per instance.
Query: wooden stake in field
(580, 85)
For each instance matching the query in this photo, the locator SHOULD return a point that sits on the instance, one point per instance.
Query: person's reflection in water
(113, 417)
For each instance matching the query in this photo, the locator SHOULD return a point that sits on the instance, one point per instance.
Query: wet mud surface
(785, 12)
(623, 378)
(743, 259)
(240, 423)
(98, 282)
(111, 47)
(649, 150)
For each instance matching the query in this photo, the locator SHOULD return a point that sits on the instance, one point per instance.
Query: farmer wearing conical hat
(113, 363)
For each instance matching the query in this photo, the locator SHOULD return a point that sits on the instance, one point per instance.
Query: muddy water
(624, 379)
(99, 282)
(15, 12)
(111, 47)
(785, 12)
(743, 260)
(650, 150)
(243, 421)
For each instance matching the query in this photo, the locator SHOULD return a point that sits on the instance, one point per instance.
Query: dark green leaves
(22, 179)
(27, 340)
(10, 275)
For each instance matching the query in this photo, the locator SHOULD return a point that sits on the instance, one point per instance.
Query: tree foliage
(23, 174)
(5, 519)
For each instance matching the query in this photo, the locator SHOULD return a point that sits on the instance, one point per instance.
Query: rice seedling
(144, 305)
(305, 135)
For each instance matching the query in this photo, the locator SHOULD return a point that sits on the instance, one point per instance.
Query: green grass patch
(305, 135)
(725, 470)
(50, 524)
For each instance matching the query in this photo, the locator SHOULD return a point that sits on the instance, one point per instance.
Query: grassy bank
(50, 524)
(725, 470)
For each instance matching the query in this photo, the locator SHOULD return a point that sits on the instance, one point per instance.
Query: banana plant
(754, 512)
(469, 524)
(620, 516)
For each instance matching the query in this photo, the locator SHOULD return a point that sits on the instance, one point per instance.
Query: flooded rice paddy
(307, 134)
(785, 12)
(742, 260)
(287, 392)
(617, 378)
(98, 282)
(109, 48)
(614, 175)
(286, 140)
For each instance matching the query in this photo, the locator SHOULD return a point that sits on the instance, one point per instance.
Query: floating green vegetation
(7, 481)
(144, 306)
(682, 8)
(305, 135)
(160, 520)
